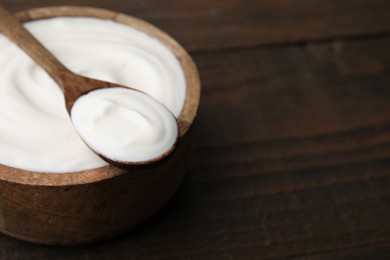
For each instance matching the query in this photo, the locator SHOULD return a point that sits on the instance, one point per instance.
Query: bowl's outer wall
(90, 212)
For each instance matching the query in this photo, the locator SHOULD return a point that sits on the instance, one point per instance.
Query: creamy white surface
(35, 130)
(124, 125)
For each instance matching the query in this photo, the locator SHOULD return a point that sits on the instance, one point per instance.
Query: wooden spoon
(72, 85)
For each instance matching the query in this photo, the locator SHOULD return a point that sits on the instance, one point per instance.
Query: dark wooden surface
(292, 149)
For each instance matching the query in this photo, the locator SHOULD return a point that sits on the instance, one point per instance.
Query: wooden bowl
(86, 206)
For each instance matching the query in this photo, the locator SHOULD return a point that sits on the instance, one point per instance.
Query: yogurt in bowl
(69, 195)
(32, 103)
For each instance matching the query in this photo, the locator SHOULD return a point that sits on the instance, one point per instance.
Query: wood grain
(211, 25)
(292, 150)
(303, 169)
(368, 252)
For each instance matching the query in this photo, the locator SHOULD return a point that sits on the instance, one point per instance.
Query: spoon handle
(15, 31)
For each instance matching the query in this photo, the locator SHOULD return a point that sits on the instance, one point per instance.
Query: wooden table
(292, 149)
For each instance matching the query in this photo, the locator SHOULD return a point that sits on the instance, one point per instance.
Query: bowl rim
(186, 117)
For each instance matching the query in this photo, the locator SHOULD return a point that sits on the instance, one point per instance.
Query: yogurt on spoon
(125, 126)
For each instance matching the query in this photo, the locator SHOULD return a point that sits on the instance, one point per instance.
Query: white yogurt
(35, 130)
(124, 125)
